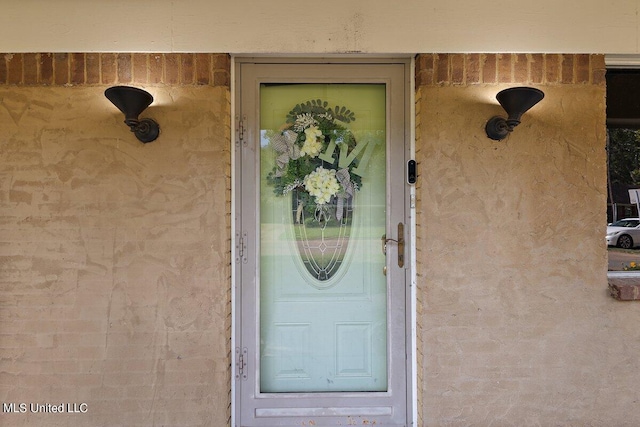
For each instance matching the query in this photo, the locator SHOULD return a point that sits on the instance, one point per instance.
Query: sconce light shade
(516, 101)
(132, 102)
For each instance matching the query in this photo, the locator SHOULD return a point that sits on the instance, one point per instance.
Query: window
(623, 172)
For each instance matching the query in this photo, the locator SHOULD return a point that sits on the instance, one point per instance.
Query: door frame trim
(411, 304)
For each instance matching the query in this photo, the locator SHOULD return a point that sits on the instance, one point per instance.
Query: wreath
(305, 163)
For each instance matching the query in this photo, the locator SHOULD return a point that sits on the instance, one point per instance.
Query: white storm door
(321, 263)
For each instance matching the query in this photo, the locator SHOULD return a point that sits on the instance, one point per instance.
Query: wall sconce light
(132, 102)
(516, 101)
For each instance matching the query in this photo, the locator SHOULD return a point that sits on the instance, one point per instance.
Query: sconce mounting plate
(497, 128)
(147, 130)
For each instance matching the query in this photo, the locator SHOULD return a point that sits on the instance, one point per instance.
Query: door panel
(321, 313)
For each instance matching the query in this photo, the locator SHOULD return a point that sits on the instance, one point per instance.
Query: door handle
(400, 245)
(399, 241)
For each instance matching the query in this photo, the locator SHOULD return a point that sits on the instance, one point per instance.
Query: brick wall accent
(625, 289)
(529, 68)
(75, 69)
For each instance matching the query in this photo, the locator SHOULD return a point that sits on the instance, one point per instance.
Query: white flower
(313, 142)
(322, 184)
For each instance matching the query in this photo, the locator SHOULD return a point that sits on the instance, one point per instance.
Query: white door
(321, 261)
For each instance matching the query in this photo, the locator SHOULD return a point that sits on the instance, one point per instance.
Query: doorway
(322, 243)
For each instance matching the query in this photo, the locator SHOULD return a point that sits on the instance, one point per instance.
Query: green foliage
(624, 156)
(292, 175)
(318, 107)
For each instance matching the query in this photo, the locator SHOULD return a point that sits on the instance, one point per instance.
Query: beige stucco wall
(328, 26)
(114, 257)
(515, 325)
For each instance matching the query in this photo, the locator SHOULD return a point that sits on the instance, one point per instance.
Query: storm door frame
(237, 241)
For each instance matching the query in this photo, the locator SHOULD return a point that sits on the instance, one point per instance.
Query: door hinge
(241, 130)
(241, 247)
(241, 363)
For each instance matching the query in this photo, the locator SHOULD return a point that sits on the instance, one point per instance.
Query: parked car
(624, 233)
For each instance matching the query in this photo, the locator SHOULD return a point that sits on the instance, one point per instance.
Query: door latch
(400, 242)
